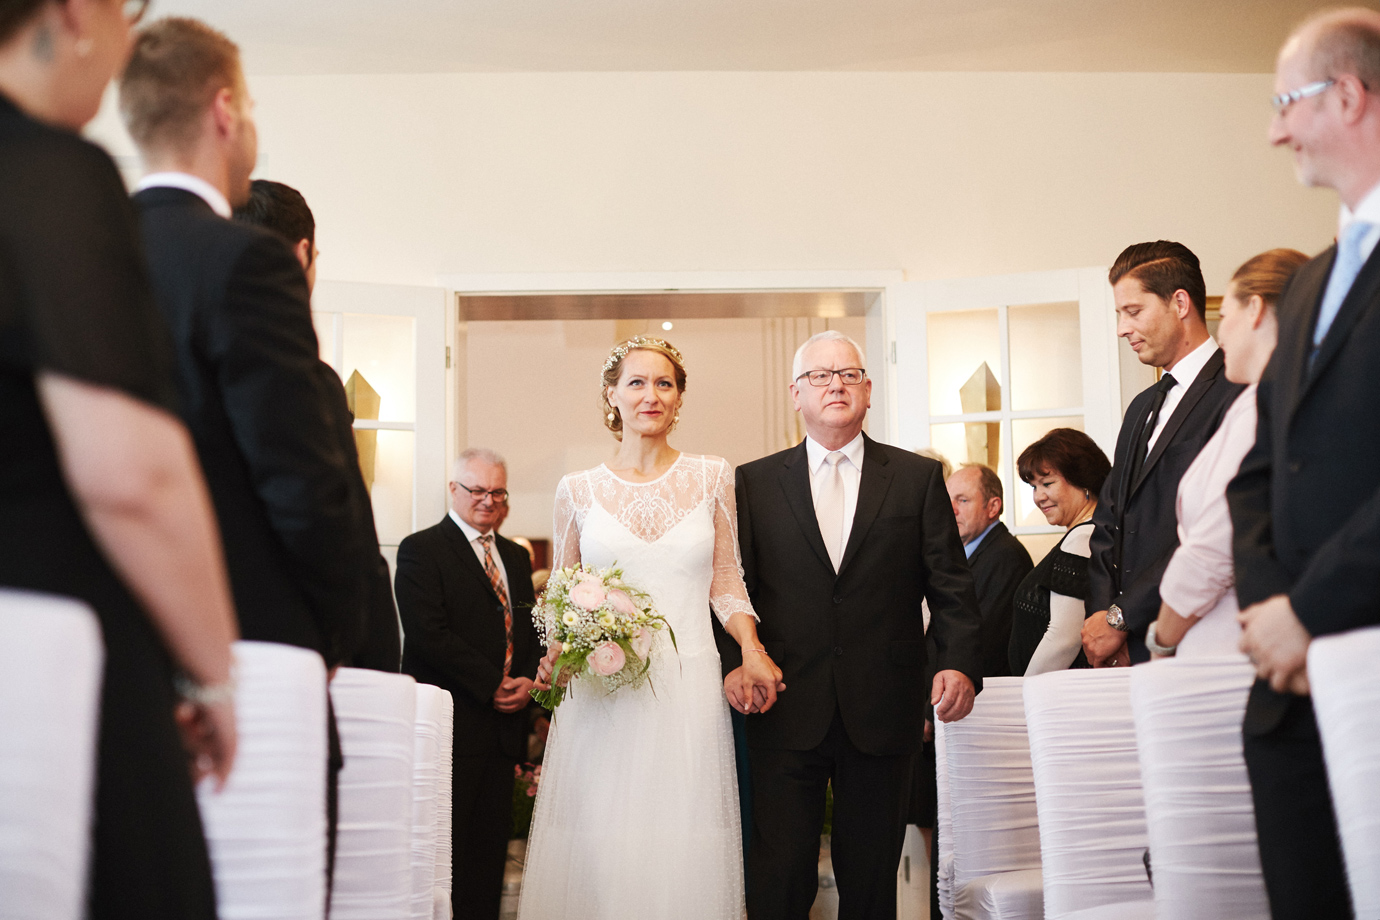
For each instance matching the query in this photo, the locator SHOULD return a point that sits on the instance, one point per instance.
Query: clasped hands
(1277, 644)
(753, 685)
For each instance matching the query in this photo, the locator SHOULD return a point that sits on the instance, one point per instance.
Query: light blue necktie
(1344, 272)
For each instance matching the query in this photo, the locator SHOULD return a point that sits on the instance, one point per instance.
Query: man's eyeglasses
(1284, 100)
(851, 376)
(499, 496)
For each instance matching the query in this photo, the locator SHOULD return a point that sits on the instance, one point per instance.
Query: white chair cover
(992, 802)
(266, 830)
(1346, 697)
(375, 713)
(1087, 789)
(51, 659)
(1200, 817)
(1015, 895)
(426, 763)
(444, 769)
(945, 871)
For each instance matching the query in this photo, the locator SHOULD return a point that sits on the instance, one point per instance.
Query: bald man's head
(1338, 42)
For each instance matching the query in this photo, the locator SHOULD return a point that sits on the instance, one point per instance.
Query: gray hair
(828, 335)
(937, 456)
(482, 454)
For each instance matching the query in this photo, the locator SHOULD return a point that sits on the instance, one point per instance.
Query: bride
(637, 813)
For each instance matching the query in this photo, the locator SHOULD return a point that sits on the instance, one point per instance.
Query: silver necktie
(829, 507)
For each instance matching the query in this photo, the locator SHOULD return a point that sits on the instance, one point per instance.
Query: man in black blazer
(998, 561)
(842, 538)
(1305, 505)
(1161, 307)
(465, 596)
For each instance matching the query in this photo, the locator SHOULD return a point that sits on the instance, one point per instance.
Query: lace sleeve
(727, 592)
(566, 531)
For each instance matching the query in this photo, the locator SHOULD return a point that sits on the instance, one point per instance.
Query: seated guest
(1067, 470)
(998, 560)
(1198, 592)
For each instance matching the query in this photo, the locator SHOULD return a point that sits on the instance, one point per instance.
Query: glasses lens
(851, 377)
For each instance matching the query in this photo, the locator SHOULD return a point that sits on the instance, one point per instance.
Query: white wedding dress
(637, 811)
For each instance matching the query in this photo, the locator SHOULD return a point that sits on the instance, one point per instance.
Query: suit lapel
(795, 482)
(1358, 300)
(872, 489)
(992, 537)
(464, 554)
(1206, 378)
(1298, 315)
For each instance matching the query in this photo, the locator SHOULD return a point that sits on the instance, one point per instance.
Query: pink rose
(589, 594)
(642, 642)
(532, 792)
(607, 659)
(621, 602)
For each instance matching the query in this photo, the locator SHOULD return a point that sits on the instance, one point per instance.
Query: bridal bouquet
(605, 627)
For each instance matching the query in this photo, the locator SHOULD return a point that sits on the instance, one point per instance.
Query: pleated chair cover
(266, 830)
(1346, 698)
(1087, 791)
(945, 871)
(1198, 807)
(51, 658)
(992, 804)
(445, 740)
(426, 763)
(375, 713)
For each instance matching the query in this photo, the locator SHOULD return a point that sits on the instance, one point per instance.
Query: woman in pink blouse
(1198, 614)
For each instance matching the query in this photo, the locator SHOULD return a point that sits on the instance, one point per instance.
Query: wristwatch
(1153, 644)
(1115, 620)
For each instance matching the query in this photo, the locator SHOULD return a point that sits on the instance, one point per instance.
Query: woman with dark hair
(1198, 590)
(1066, 469)
(101, 497)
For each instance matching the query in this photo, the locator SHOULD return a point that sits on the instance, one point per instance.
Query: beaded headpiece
(621, 350)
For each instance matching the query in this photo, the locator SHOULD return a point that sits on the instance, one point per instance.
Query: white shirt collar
(188, 183)
(1191, 364)
(1367, 210)
(470, 533)
(816, 452)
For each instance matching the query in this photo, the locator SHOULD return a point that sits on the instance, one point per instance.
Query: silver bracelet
(1150, 642)
(204, 694)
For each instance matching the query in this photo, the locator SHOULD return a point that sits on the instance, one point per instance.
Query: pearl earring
(612, 416)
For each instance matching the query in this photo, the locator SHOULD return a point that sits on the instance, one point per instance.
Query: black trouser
(482, 822)
(335, 762)
(870, 795)
(1299, 850)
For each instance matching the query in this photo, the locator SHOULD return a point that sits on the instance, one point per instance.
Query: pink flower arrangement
(607, 659)
(588, 593)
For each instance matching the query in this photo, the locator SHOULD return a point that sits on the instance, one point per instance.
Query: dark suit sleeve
(518, 565)
(422, 606)
(1258, 572)
(997, 600)
(730, 654)
(265, 350)
(955, 621)
(382, 646)
(1340, 588)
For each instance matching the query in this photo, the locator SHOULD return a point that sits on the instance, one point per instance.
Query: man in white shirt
(1161, 307)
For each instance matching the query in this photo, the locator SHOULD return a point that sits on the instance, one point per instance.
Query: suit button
(838, 600)
(1295, 465)
(838, 650)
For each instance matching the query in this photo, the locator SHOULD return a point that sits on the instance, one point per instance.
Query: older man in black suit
(465, 596)
(1161, 306)
(1305, 505)
(997, 559)
(842, 538)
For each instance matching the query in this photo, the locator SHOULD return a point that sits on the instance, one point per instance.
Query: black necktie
(1143, 442)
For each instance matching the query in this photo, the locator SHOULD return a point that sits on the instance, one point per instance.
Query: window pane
(1046, 356)
(391, 489)
(382, 351)
(325, 336)
(961, 344)
(1024, 432)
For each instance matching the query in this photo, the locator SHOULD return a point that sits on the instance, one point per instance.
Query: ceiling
(441, 36)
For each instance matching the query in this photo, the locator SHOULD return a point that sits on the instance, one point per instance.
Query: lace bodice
(649, 510)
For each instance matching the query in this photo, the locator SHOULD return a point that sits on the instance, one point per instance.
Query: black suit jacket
(453, 632)
(999, 565)
(270, 441)
(854, 642)
(1305, 506)
(1135, 526)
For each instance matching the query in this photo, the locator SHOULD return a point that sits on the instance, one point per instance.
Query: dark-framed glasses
(499, 496)
(1284, 100)
(134, 10)
(851, 376)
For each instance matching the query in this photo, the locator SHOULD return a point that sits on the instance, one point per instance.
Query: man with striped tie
(465, 598)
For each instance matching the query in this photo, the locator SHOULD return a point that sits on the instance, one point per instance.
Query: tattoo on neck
(44, 48)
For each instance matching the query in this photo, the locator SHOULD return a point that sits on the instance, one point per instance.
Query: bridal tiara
(621, 350)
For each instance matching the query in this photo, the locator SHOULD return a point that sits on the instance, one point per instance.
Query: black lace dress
(1060, 572)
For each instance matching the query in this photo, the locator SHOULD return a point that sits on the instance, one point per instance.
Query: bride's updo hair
(613, 369)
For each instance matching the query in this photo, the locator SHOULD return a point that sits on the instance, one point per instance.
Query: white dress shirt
(850, 471)
(1185, 372)
(1367, 210)
(473, 536)
(188, 183)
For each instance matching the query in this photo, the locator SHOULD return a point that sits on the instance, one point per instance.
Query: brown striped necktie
(496, 579)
